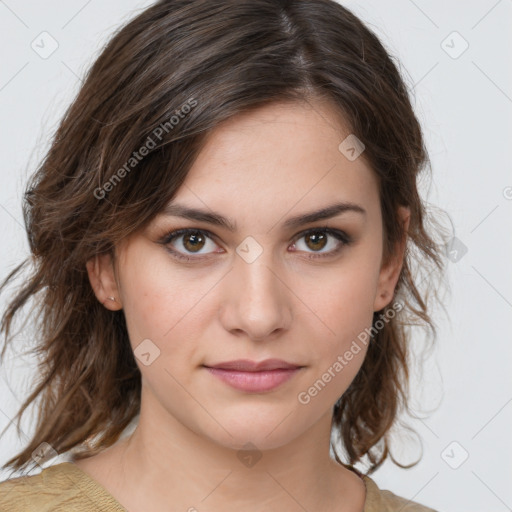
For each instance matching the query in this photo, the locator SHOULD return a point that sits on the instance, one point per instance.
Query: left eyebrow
(177, 210)
(325, 213)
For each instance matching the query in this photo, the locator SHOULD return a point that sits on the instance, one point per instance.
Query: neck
(163, 462)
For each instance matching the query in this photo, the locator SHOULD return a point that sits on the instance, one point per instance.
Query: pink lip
(254, 376)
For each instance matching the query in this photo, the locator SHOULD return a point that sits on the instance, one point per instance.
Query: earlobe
(102, 278)
(390, 273)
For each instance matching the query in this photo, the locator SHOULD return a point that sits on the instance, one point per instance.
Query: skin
(258, 169)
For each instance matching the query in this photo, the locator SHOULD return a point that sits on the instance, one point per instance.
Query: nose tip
(257, 302)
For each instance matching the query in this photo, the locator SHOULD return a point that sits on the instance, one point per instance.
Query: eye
(318, 239)
(188, 242)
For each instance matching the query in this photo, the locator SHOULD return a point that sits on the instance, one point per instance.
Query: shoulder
(59, 488)
(378, 500)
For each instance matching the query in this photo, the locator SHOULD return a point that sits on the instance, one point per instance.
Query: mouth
(252, 376)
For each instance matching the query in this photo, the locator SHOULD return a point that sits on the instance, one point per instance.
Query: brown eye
(187, 244)
(194, 241)
(184, 243)
(316, 240)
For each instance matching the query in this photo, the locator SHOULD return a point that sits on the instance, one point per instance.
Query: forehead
(282, 157)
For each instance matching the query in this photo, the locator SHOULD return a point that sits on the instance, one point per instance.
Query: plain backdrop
(456, 58)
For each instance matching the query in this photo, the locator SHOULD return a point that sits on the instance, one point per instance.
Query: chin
(252, 431)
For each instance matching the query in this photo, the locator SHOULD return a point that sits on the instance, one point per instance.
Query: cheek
(344, 299)
(144, 307)
(344, 304)
(164, 304)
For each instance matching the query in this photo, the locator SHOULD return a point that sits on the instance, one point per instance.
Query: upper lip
(246, 365)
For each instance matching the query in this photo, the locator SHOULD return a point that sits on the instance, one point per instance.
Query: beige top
(65, 487)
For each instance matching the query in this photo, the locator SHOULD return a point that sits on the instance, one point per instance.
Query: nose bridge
(259, 301)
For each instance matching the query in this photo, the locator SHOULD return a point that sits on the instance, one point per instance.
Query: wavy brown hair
(184, 66)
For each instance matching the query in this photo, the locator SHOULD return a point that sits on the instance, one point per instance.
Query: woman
(222, 236)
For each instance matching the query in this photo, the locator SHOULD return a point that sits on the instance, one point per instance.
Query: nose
(257, 300)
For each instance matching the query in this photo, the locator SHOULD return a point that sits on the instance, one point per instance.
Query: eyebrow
(177, 210)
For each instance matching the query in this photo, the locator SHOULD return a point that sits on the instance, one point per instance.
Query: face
(265, 284)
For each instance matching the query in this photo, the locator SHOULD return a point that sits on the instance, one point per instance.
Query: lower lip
(254, 381)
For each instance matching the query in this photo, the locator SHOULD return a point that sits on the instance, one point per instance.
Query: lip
(246, 365)
(252, 376)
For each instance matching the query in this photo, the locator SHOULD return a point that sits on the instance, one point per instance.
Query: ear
(102, 277)
(390, 272)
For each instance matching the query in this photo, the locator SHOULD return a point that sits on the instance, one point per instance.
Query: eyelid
(176, 233)
(332, 231)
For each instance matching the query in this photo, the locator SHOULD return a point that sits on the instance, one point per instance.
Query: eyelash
(339, 235)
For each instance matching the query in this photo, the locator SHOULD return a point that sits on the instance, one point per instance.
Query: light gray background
(464, 101)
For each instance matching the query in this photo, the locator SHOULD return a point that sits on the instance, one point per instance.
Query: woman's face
(272, 287)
